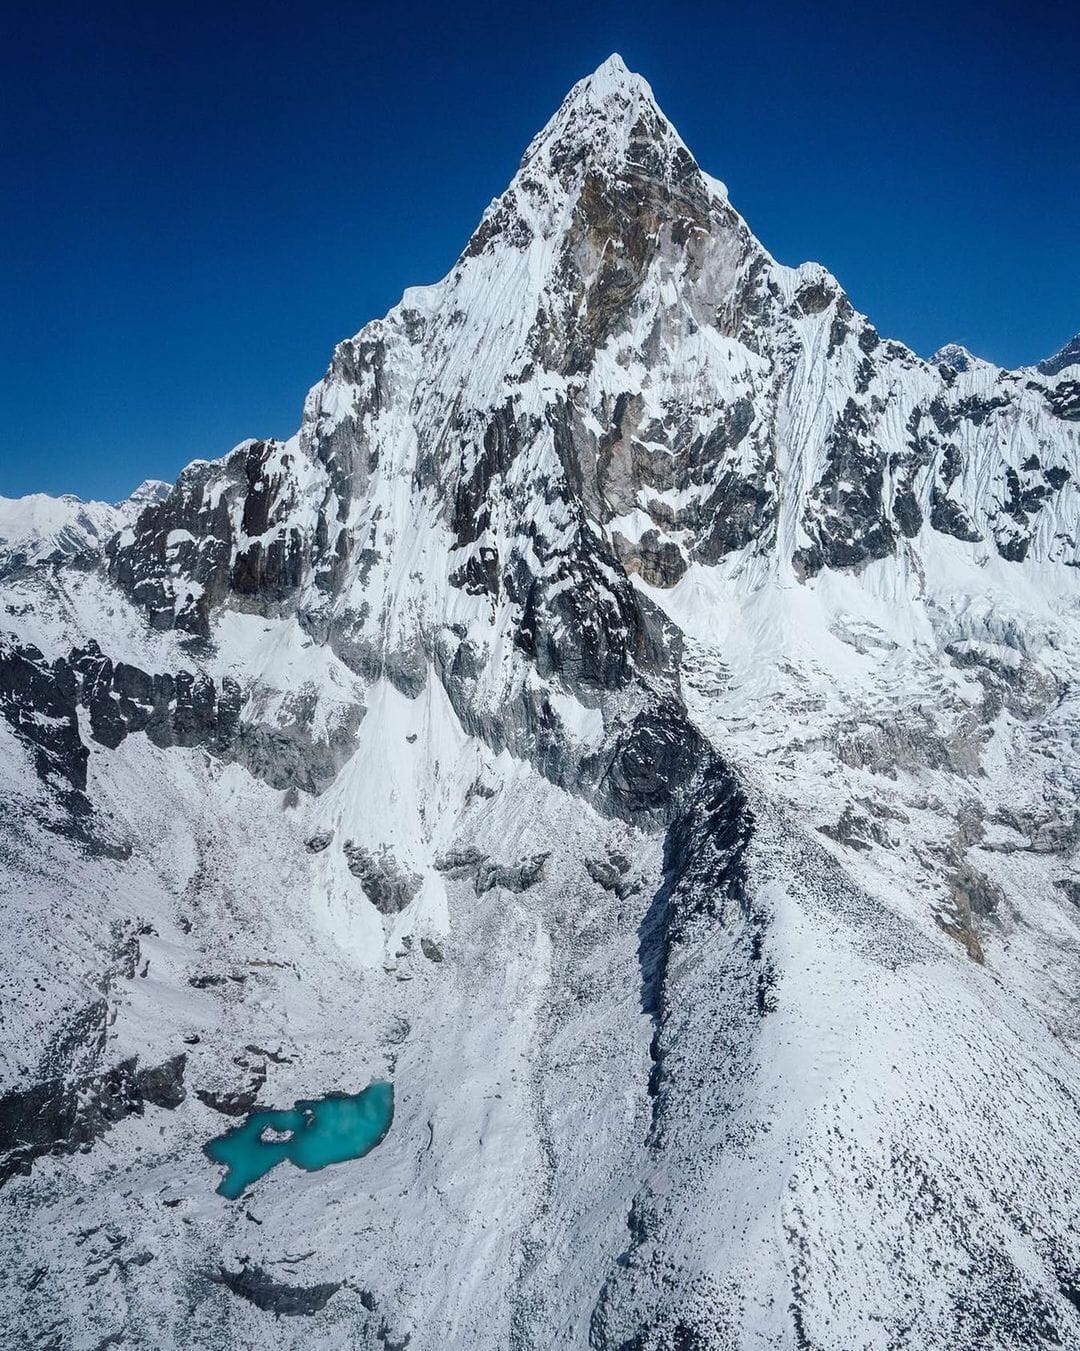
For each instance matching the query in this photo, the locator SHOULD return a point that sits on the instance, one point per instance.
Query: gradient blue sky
(199, 200)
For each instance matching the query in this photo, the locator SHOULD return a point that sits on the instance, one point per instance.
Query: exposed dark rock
(1071, 887)
(510, 876)
(845, 515)
(75, 1048)
(618, 228)
(38, 699)
(460, 862)
(1055, 834)
(387, 885)
(652, 762)
(503, 223)
(659, 562)
(41, 700)
(704, 875)
(950, 518)
(185, 709)
(953, 358)
(959, 927)
(175, 561)
(582, 620)
(814, 297)
(906, 513)
(390, 1341)
(163, 1085)
(856, 831)
(56, 1117)
(948, 414)
(431, 950)
(258, 1287)
(864, 375)
(973, 892)
(228, 1104)
(479, 574)
(1064, 401)
(1069, 355)
(240, 1101)
(501, 442)
(909, 741)
(486, 874)
(743, 510)
(319, 841)
(276, 1057)
(290, 754)
(973, 897)
(838, 335)
(612, 873)
(1021, 686)
(1023, 499)
(704, 884)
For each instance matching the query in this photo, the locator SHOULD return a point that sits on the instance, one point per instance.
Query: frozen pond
(311, 1134)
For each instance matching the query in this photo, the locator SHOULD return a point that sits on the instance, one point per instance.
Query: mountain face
(635, 714)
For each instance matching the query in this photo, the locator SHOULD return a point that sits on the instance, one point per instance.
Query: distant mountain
(37, 528)
(636, 714)
(956, 357)
(1068, 356)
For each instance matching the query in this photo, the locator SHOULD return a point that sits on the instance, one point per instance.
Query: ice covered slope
(635, 713)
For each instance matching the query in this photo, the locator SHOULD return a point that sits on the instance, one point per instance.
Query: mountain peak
(613, 75)
(599, 119)
(613, 93)
(1069, 355)
(956, 356)
(150, 490)
(614, 65)
(608, 136)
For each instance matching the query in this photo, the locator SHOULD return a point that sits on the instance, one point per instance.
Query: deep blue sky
(197, 201)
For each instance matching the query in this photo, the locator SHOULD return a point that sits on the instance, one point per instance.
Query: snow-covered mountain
(38, 528)
(1069, 355)
(635, 713)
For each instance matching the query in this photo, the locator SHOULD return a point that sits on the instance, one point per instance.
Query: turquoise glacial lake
(311, 1134)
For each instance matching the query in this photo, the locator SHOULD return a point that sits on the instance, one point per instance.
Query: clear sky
(198, 200)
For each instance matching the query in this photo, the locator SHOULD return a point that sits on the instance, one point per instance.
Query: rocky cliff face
(634, 712)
